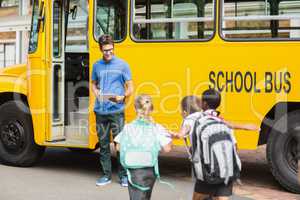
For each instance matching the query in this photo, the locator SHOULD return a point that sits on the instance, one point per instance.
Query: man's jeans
(106, 124)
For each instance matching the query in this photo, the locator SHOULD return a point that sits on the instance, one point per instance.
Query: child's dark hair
(190, 104)
(212, 98)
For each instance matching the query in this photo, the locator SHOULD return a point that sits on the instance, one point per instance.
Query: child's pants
(144, 177)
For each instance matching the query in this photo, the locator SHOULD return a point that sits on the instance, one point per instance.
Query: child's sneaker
(103, 181)
(124, 181)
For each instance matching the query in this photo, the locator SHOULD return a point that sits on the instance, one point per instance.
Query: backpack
(139, 148)
(213, 153)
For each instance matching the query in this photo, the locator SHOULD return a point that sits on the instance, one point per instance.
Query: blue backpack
(139, 148)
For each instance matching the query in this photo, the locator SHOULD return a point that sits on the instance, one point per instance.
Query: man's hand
(97, 92)
(117, 99)
(128, 89)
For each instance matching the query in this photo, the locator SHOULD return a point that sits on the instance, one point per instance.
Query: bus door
(57, 72)
(69, 95)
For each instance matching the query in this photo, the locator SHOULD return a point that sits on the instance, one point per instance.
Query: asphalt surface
(63, 175)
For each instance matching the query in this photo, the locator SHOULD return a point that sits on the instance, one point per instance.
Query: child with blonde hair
(139, 144)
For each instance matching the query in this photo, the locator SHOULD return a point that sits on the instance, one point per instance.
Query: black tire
(282, 151)
(17, 146)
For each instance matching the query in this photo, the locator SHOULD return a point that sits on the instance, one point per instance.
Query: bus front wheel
(17, 146)
(282, 151)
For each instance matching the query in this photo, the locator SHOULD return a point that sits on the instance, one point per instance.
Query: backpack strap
(194, 135)
(156, 172)
(188, 149)
(142, 188)
(191, 150)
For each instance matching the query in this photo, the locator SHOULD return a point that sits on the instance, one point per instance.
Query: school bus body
(258, 81)
(171, 70)
(13, 79)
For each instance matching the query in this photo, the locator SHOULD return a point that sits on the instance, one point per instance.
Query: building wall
(13, 47)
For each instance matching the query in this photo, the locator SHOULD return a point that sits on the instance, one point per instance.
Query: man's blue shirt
(110, 77)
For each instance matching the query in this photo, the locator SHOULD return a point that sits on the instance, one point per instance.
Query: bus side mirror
(73, 10)
(41, 18)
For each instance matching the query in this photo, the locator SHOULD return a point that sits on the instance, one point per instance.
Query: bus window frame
(60, 27)
(32, 51)
(222, 36)
(173, 40)
(94, 24)
(67, 26)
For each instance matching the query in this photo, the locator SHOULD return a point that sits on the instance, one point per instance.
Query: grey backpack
(213, 153)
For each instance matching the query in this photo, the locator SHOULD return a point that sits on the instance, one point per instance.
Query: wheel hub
(12, 136)
(291, 153)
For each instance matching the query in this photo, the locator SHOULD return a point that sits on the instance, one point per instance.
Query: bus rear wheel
(17, 146)
(282, 151)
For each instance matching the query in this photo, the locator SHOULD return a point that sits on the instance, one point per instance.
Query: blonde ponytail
(143, 106)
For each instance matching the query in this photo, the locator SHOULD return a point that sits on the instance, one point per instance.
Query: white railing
(12, 24)
(261, 17)
(80, 22)
(241, 32)
(172, 20)
(22, 23)
(209, 19)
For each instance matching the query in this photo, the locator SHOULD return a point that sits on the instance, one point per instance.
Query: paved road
(63, 175)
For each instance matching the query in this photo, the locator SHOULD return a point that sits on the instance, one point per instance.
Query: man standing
(112, 85)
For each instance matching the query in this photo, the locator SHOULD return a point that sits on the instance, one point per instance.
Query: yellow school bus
(246, 49)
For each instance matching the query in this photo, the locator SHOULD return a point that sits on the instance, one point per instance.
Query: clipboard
(105, 97)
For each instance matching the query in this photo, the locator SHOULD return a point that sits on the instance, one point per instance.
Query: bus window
(290, 28)
(173, 19)
(110, 18)
(34, 27)
(76, 27)
(254, 19)
(57, 28)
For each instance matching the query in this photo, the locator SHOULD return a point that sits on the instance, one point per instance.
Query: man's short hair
(105, 39)
(212, 98)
